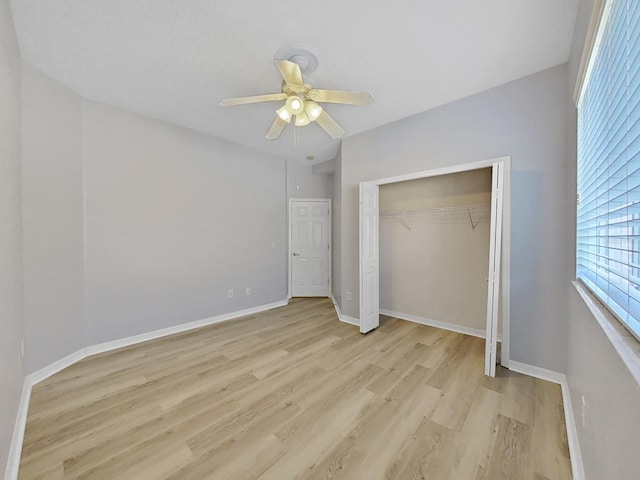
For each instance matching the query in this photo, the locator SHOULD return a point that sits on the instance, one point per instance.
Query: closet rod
(403, 216)
(438, 211)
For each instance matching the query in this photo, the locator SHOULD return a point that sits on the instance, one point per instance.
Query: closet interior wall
(434, 249)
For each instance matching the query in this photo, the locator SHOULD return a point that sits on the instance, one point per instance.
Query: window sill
(623, 342)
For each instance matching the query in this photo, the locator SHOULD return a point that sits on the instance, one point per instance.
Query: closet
(434, 250)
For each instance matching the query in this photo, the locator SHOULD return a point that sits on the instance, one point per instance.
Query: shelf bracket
(473, 226)
(403, 219)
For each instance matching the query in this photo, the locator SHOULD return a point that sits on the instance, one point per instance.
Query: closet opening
(434, 249)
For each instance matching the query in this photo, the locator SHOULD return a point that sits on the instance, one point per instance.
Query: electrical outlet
(349, 296)
(230, 293)
(584, 410)
(247, 291)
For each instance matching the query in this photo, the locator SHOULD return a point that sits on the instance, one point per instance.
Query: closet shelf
(474, 214)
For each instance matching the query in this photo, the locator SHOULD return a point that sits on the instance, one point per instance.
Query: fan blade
(269, 97)
(291, 74)
(330, 125)
(276, 128)
(341, 96)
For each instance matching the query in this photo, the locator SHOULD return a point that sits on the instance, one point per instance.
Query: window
(608, 213)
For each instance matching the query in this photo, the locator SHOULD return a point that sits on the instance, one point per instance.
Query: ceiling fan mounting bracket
(304, 57)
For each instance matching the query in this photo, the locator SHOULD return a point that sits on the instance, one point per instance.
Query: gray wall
(526, 119)
(11, 368)
(303, 182)
(610, 435)
(132, 225)
(52, 220)
(173, 220)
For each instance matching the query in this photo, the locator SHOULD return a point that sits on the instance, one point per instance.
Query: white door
(369, 258)
(495, 247)
(310, 248)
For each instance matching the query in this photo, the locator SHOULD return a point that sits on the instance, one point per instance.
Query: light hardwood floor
(294, 393)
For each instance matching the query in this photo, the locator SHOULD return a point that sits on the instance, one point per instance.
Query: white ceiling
(176, 59)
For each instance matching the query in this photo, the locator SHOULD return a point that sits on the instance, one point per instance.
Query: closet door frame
(504, 165)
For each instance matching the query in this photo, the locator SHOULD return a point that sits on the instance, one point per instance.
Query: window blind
(608, 212)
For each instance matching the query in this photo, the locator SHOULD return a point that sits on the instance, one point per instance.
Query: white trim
(598, 20)
(505, 292)
(577, 467)
(55, 367)
(622, 340)
(537, 372)
(289, 252)
(15, 451)
(452, 327)
(442, 171)
(341, 317)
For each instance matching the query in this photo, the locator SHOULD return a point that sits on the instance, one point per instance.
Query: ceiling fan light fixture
(295, 105)
(302, 119)
(313, 110)
(284, 114)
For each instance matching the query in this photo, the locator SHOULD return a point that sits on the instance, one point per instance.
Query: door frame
(289, 240)
(505, 266)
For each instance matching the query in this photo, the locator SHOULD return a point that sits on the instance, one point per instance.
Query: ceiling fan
(303, 102)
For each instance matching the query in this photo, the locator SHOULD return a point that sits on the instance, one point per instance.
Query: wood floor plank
(383, 429)
(510, 457)
(184, 422)
(318, 440)
(323, 403)
(478, 435)
(428, 453)
(458, 386)
(294, 393)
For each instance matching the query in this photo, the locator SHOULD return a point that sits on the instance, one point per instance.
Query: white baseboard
(474, 332)
(572, 433)
(15, 451)
(341, 317)
(577, 467)
(56, 366)
(350, 320)
(145, 337)
(537, 372)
